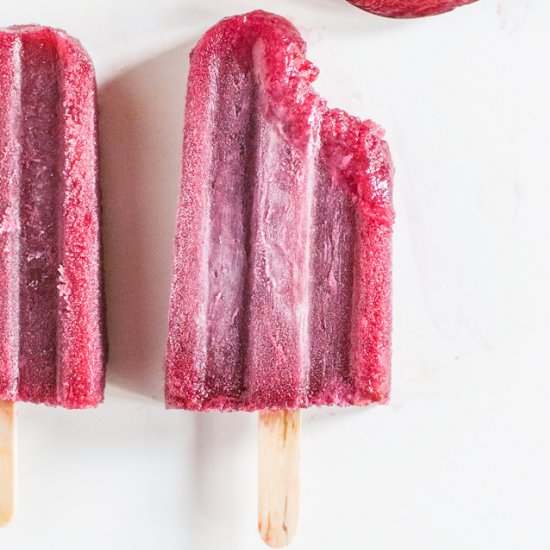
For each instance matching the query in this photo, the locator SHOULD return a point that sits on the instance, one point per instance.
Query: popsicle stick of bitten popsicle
(7, 462)
(279, 476)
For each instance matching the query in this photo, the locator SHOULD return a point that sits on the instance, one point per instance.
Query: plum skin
(408, 8)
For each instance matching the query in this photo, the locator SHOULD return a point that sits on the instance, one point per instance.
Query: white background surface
(460, 458)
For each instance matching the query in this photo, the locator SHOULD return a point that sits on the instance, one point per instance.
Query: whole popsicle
(51, 313)
(282, 275)
(51, 307)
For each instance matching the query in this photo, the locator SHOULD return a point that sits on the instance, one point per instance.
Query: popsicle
(409, 8)
(281, 283)
(281, 286)
(51, 306)
(51, 312)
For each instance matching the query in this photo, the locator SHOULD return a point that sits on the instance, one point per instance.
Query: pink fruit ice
(409, 8)
(51, 319)
(282, 274)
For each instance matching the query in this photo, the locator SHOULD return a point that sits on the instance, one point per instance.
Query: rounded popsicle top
(41, 30)
(354, 150)
(272, 48)
(69, 48)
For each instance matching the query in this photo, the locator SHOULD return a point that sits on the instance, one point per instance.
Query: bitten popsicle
(282, 276)
(281, 283)
(51, 306)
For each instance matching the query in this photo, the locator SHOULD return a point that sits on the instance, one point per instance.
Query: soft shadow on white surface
(222, 460)
(74, 459)
(317, 416)
(141, 128)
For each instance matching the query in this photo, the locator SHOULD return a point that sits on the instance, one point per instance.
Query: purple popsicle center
(39, 214)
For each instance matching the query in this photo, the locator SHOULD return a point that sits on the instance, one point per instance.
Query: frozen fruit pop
(51, 314)
(281, 285)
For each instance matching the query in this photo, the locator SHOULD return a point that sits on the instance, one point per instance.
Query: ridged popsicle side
(81, 339)
(10, 89)
(358, 159)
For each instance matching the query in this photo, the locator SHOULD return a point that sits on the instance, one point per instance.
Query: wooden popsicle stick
(279, 476)
(7, 462)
